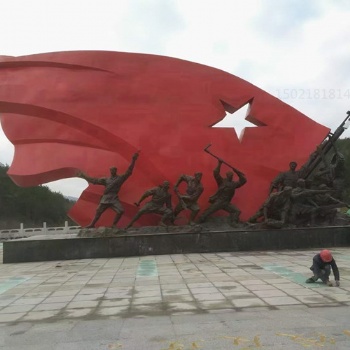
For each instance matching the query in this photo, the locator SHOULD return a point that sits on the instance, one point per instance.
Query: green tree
(30, 205)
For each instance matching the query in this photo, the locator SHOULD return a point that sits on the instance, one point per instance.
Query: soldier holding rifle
(288, 178)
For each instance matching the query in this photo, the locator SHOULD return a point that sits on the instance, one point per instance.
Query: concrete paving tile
(47, 307)
(281, 301)
(233, 295)
(146, 294)
(141, 282)
(254, 287)
(296, 307)
(83, 297)
(82, 304)
(240, 275)
(16, 309)
(10, 294)
(300, 291)
(147, 309)
(200, 285)
(37, 295)
(184, 313)
(266, 308)
(172, 286)
(62, 299)
(219, 278)
(252, 282)
(112, 311)
(167, 292)
(119, 289)
(124, 282)
(269, 293)
(50, 286)
(115, 302)
(56, 281)
(28, 301)
(212, 296)
(4, 303)
(19, 291)
(75, 284)
(313, 299)
(204, 290)
(286, 286)
(226, 284)
(99, 281)
(235, 288)
(276, 280)
(214, 304)
(340, 297)
(146, 288)
(178, 298)
(71, 289)
(93, 290)
(249, 302)
(72, 313)
(118, 296)
(11, 317)
(195, 279)
(332, 291)
(184, 306)
(149, 300)
(39, 315)
(10, 298)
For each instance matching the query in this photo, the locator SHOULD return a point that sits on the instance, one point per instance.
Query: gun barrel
(327, 145)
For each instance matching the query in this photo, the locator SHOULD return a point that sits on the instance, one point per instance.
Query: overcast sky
(297, 50)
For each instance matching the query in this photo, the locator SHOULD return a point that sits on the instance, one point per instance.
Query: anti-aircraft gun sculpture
(331, 176)
(334, 171)
(323, 149)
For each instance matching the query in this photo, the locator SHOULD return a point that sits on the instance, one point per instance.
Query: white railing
(28, 232)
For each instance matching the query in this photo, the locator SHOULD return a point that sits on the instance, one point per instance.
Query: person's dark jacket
(318, 264)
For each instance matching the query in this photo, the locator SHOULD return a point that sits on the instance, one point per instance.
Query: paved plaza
(253, 300)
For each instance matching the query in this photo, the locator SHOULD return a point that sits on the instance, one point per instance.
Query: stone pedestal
(123, 244)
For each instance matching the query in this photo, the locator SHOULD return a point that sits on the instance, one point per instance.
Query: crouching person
(321, 267)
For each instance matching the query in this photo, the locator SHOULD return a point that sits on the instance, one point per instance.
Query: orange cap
(326, 255)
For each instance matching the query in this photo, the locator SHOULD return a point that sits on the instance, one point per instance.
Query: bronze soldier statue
(221, 200)
(160, 197)
(189, 200)
(110, 197)
(303, 205)
(338, 174)
(286, 178)
(328, 206)
(275, 210)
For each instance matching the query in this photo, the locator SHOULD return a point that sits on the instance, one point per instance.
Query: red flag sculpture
(91, 110)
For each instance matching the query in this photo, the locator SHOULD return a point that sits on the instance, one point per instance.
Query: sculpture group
(160, 202)
(304, 197)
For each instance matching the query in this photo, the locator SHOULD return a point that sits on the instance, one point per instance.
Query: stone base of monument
(109, 243)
